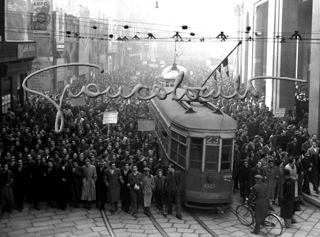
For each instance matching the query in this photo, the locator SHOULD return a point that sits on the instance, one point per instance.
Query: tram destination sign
(146, 125)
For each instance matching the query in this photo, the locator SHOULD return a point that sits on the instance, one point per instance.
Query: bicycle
(272, 223)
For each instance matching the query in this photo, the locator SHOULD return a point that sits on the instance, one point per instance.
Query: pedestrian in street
(257, 169)
(147, 188)
(37, 171)
(6, 187)
(305, 161)
(271, 179)
(88, 193)
(51, 183)
(135, 181)
(313, 153)
(21, 176)
(76, 176)
(112, 177)
(160, 192)
(173, 188)
(101, 187)
(244, 173)
(287, 204)
(125, 190)
(63, 185)
(259, 192)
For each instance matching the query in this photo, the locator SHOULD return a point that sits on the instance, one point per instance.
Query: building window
(196, 153)
(178, 148)
(6, 103)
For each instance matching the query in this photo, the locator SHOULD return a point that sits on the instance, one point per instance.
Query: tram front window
(226, 154)
(212, 158)
(196, 153)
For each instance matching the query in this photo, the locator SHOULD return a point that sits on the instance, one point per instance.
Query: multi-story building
(17, 50)
(285, 44)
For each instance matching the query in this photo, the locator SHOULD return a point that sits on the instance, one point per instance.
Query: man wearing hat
(160, 183)
(287, 204)
(147, 188)
(173, 188)
(261, 210)
(244, 174)
(271, 180)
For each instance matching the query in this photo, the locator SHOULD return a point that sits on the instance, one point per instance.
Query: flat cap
(258, 176)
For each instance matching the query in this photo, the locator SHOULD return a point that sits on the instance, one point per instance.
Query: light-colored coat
(271, 180)
(88, 183)
(147, 188)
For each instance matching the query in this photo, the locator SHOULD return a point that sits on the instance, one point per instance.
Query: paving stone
(85, 226)
(41, 219)
(100, 224)
(64, 224)
(95, 215)
(44, 223)
(97, 229)
(196, 227)
(65, 230)
(189, 235)
(61, 216)
(148, 227)
(85, 221)
(44, 232)
(35, 229)
(181, 230)
(166, 225)
(22, 226)
(131, 226)
(175, 234)
(138, 235)
(82, 231)
(74, 218)
(117, 226)
(181, 226)
(4, 230)
(171, 230)
(301, 234)
(203, 231)
(123, 234)
(93, 234)
(45, 214)
(135, 230)
(17, 232)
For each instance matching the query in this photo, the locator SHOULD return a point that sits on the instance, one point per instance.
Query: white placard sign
(110, 117)
(146, 125)
(279, 113)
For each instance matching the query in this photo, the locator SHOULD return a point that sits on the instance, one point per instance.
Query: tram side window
(196, 153)
(226, 155)
(178, 148)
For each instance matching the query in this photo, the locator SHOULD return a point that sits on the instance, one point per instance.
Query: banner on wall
(42, 17)
(43, 81)
(18, 20)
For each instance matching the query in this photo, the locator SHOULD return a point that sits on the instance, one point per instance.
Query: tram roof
(203, 119)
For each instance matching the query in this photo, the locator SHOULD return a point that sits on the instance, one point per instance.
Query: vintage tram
(198, 138)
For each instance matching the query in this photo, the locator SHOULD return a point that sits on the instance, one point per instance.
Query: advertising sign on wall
(43, 81)
(18, 20)
(42, 17)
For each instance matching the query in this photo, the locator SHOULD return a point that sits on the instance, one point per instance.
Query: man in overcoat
(147, 188)
(173, 188)
(271, 180)
(287, 204)
(125, 191)
(50, 183)
(260, 192)
(63, 185)
(37, 171)
(101, 187)
(244, 174)
(76, 175)
(21, 176)
(160, 192)
(134, 182)
(112, 177)
(6, 190)
(88, 193)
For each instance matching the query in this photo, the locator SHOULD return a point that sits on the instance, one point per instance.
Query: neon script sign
(193, 93)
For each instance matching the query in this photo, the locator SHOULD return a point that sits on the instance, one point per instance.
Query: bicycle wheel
(244, 215)
(273, 225)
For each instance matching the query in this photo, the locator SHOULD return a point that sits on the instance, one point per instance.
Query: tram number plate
(212, 140)
(209, 185)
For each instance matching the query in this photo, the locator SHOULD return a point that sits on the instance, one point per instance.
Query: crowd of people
(89, 162)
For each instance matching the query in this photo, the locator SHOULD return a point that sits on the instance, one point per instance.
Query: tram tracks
(107, 223)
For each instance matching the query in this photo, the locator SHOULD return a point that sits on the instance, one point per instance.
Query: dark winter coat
(113, 184)
(76, 183)
(101, 187)
(260, 193)
(125, 190)
(287, 204)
